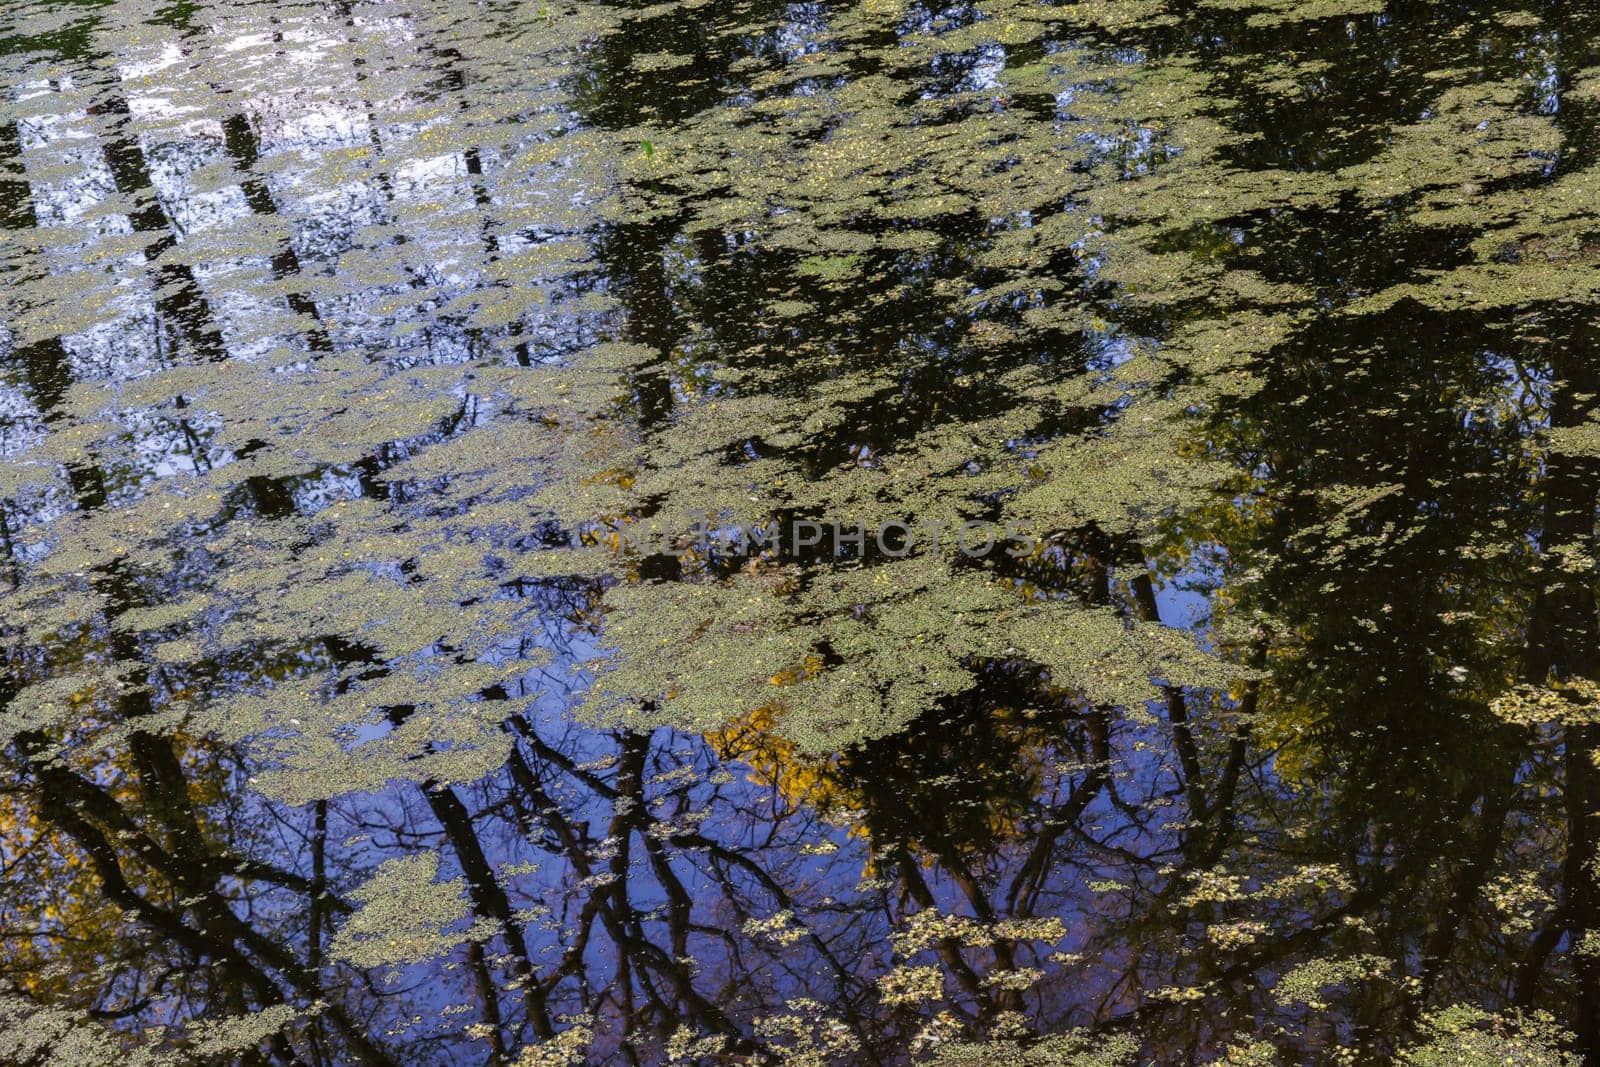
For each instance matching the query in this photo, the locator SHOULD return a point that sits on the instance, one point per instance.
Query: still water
(483, 557)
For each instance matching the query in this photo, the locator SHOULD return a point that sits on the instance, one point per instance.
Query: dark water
(445, 447)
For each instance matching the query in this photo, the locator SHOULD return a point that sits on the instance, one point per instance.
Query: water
(484, 566)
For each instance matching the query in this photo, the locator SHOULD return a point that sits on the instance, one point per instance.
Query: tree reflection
(344, 343)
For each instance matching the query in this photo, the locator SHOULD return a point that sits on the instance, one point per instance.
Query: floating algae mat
(539, 532)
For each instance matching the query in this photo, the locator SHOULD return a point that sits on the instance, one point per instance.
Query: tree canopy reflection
(347, 349)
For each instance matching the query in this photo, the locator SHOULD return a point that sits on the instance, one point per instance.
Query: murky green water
(494, 514)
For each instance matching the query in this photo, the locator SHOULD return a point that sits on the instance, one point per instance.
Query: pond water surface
(482, 552)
